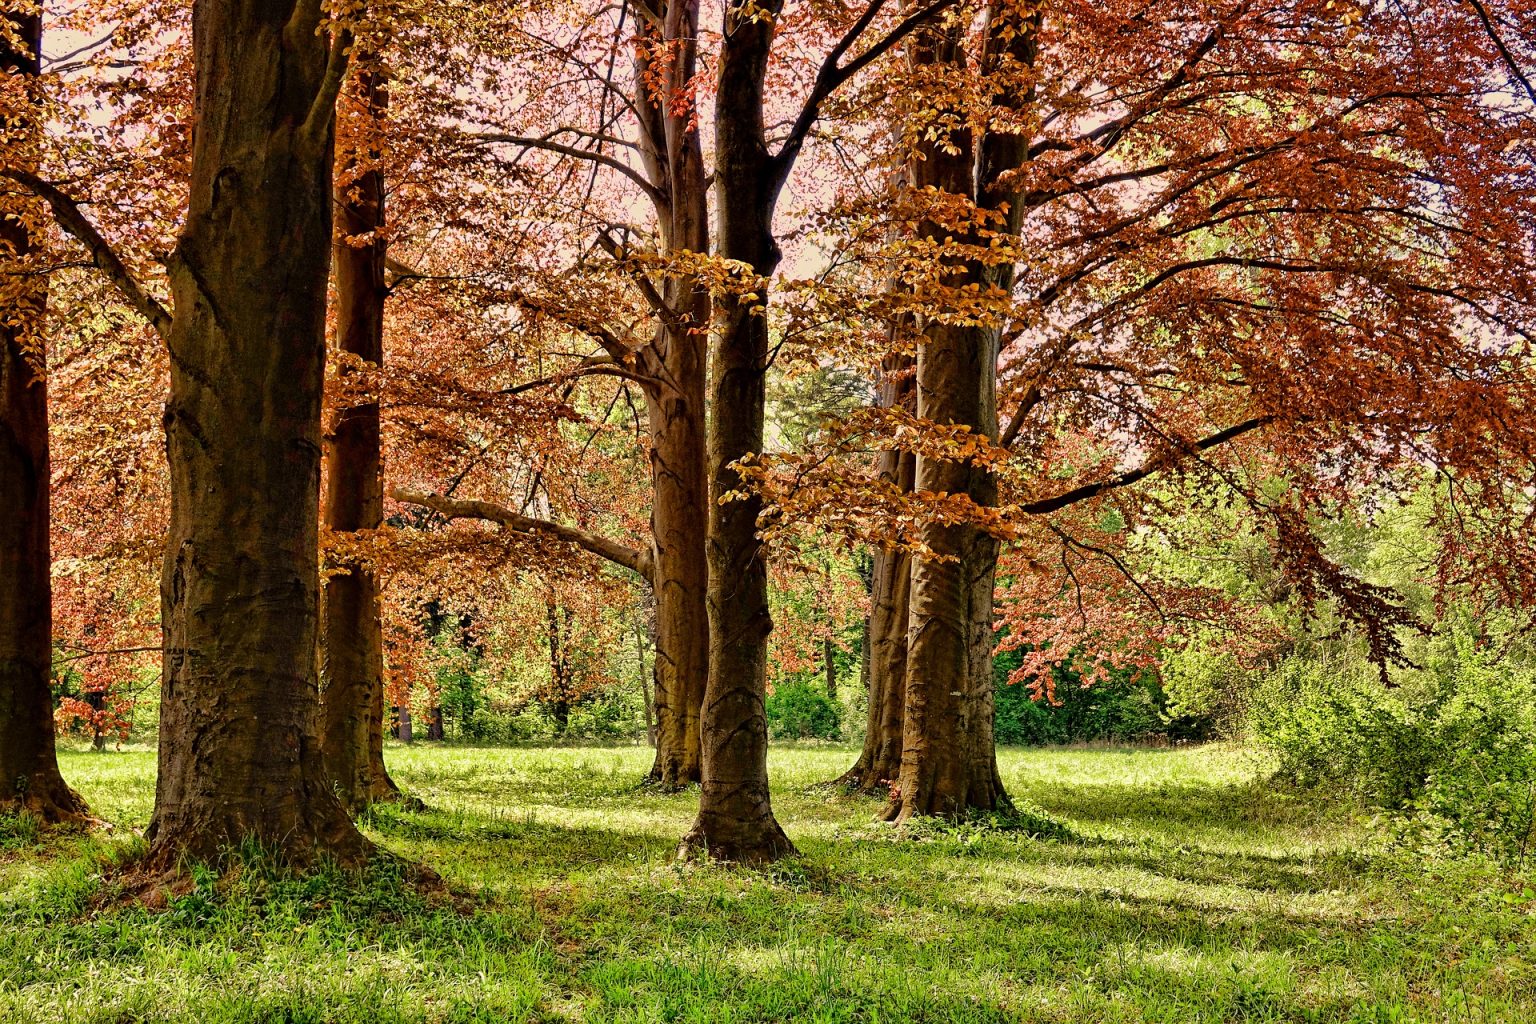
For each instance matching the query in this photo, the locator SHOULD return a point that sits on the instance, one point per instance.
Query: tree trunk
(352, 724)
(435, 729)
(879, 762)
(830, 667)
(240, 756)
(403, 729)
(677, 368)
(29, 768)
(736, 821)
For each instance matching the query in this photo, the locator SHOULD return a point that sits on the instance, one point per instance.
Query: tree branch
(69, 216)
(639, 562)
(1086, 491)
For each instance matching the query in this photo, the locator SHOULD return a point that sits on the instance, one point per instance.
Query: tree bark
(240, 756)
(352, 723)
(736, 821)
(29, 768)
(830, 667)
(879, 761)
(949, 757)
(676, 365)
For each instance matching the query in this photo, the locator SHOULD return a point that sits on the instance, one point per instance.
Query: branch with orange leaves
(73, 220)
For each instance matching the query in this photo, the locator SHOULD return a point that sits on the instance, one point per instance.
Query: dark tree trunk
(676, 366)
(240, 755)
(29, 768)
(352, 724)
(403, 723)
(736, 821)
(830, 667)
(435, 729)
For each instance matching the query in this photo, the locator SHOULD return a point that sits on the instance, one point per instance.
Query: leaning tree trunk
(240, 756)
(29, 768)
(677, 367)
(352, 725)
(736, 821)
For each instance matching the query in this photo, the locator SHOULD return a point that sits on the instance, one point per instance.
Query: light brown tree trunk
(352, 723)
(949, 758)
(29, 769)
(240, 756)
(677, 368)
(736, 821)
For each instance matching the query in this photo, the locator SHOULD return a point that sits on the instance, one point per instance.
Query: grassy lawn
(1191, 892)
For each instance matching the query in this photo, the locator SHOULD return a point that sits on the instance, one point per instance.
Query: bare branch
(640, 562)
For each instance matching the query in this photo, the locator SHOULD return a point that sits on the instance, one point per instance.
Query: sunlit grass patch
(1179, 887)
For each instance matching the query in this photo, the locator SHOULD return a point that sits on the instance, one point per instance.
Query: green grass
(1194, 893)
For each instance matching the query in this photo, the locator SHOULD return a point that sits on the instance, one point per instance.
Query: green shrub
(799, 710)
(1451, 749)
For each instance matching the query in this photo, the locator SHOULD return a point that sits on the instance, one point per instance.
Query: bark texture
(240, 756)
(736, 821)
(29, 769)
(879, 762)
(949, 758)
(352, 727)
(675, 367)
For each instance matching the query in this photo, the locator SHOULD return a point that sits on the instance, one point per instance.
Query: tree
(29, 770)
(1229, 246)
(239, 755)
(352, 730)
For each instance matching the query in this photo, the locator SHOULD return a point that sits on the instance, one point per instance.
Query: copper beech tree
(239, 754)
(29, 771)
(1235, 244)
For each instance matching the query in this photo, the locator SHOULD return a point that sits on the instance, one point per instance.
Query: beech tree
(352, 731)
(29, 770)
(239, 753)
(1228, 244)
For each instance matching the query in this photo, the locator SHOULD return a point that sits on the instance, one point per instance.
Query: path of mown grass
(1196, 895)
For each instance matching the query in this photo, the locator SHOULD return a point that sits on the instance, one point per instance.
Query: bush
(1451, 750)
(799, 710)
(1124, 707)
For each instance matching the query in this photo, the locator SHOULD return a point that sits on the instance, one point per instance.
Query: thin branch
(1086, 491)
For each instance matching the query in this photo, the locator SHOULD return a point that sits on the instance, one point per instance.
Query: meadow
(1170, 885)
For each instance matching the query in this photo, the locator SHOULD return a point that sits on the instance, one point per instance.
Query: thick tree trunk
(679, 522)
(240, 756)
(736, 821)
(29, 768)
(677, 368)
(352, 723)
(949, 759)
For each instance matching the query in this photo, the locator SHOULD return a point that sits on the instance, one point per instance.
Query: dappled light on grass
(1189, 891)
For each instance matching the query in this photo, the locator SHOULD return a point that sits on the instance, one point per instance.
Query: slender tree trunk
(736, 821)
(29, 769)
(830, 667)
(677, 366)
(240, 756)
(404, 726)
(879, 761)
(352, 725)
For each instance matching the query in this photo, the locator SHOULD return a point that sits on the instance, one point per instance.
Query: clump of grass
(19, 830)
